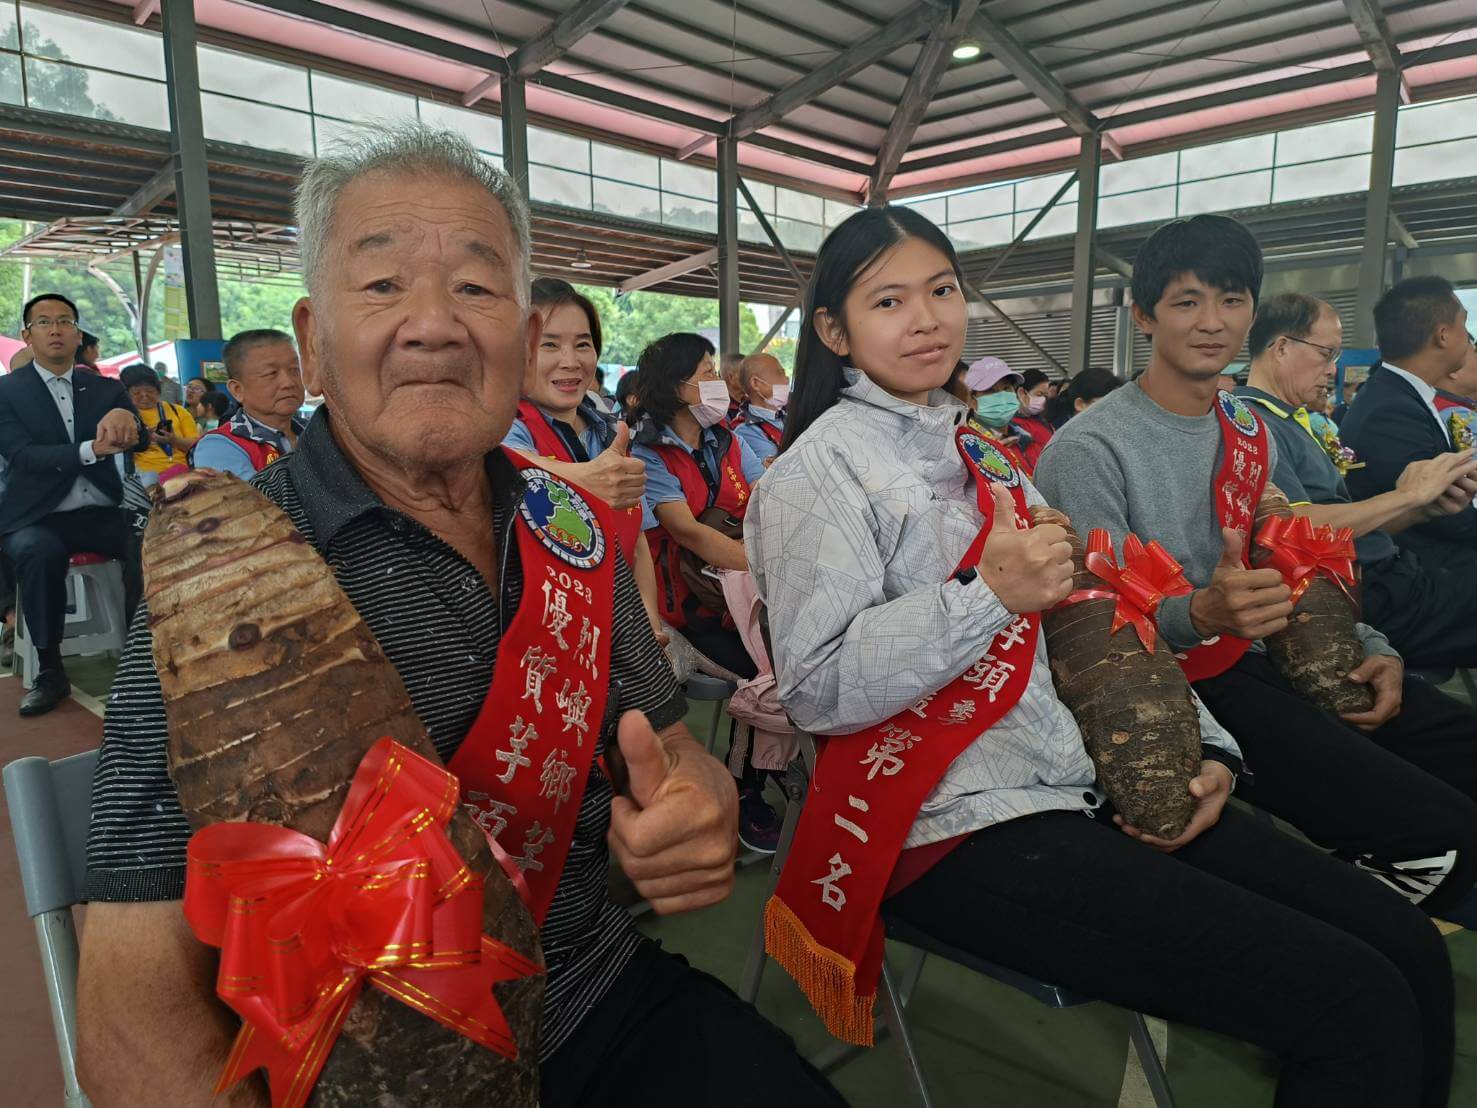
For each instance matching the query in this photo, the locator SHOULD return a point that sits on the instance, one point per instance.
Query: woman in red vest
(694, 463)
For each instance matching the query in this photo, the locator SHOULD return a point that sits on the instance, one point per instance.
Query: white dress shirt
(83, 493)
(1426, 393)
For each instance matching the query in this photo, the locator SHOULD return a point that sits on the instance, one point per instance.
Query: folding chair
(700, 686)
(896, 993)
(50, 807)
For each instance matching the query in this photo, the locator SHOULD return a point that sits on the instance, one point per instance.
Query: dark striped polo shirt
(439, 625)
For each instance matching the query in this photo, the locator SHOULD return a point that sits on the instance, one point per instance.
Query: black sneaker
(759, 826)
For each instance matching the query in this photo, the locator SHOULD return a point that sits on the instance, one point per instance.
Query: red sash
(822, 924)
(524, 764)
(1238, 487)
(770, 430)
(548, 444)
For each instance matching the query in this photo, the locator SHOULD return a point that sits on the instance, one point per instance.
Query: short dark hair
(1409, 313)
(624, 387)
(89, 339)
(548, 293)
(31, 303)
(138, 374)
(663, 366)
(243, 341)
(217, 402)
(1031, 378)
(1215, 248)
(1293, 314)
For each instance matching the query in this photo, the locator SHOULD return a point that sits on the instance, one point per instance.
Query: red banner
(1299, 551)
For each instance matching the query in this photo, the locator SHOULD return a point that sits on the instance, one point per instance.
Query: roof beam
(1402, 233)
(923, 82)
(870, 50)
(143, 9)
(549, 45)
(1379, 43)
(150, 193)
(667, 272)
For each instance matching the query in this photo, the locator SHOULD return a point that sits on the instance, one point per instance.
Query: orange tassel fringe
(827, 978)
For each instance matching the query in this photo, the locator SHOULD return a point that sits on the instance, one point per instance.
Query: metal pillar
(728, 270)
(1377, 206)
(191, 174)
(514, 108)
(1123, 328)
(1083, 259)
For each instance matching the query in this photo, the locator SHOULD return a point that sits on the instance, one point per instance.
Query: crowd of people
(899, 584)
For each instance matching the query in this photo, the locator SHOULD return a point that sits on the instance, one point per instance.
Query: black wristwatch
(966, 576)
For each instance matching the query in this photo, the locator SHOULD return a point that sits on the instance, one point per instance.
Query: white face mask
(779, 395)
(1035, 404)
(712, 405)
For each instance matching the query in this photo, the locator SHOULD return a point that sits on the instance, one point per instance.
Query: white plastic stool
(94, 620)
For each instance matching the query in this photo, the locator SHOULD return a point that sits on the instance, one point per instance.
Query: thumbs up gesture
(1028, 568)
(674, 830)
(1247, 603)
(614, 476)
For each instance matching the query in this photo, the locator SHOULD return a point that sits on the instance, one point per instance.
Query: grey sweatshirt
(1125, 465)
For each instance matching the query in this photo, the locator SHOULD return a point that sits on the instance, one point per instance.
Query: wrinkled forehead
(388, 214)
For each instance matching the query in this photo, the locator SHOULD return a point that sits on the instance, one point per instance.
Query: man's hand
(1386, 676)
(116, 432)
(676, 834)
(1247, 603)
(1211, 790)
(1426, 481)
(1457, 498)
(1029, 569)
(614, 476)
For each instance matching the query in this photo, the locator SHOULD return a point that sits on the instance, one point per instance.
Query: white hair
(410, 149)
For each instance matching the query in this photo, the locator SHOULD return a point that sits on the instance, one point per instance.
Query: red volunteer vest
(260, 454)
(771, 431)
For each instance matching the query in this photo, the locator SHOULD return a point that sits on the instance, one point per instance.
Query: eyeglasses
(45, 324)
(1330, 353)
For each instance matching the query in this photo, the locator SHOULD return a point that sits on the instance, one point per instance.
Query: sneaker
(759, 826)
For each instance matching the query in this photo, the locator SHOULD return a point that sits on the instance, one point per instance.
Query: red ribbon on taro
(1299, 551)
(303, 927)
(1149, 574)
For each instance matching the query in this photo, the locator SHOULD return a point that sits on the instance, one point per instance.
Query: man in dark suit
(1421, 328)
(59, 430)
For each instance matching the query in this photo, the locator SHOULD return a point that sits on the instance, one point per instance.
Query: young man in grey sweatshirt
(1391, 789)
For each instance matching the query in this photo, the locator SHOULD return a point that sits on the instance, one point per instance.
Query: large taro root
(1319, 647)
(274, 690)
(1134, 708)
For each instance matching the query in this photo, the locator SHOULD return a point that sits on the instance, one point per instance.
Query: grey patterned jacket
(853, 536)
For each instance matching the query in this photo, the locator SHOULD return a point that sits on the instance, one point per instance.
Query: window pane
(936, 210)
(697, 215)
(1436, 162)
(351, 100)
(1242, 190)
(331, 132)
(53, 34)
(1437, 122)
(66, 88)
(838, 213)
(254, 78)
(749, 229)
(1031, 196)
(483, 131)
(625, 165)
(631, 201)
(495, 159)
(10, 79)
(9, 33)
(689, 180)
(558, 186)
(230, 120)
(982, 232)
(1298, 182)
(1138, 173)
(1148, 206)
(1208, 161)
(564, 151)
(1326, 140)
(999, 200)
(799, 205)
(763, 196)
(797, 235)
(1061, 220)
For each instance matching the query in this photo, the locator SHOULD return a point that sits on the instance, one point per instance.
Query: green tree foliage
(632, 321)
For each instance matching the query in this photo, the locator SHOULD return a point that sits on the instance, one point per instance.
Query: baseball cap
(987, 372)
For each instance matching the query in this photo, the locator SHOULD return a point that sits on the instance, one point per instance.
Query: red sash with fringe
(822, 924)
(1239, 484)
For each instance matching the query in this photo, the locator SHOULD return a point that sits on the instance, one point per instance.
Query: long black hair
(845, 255)
(1093, 383)
(663, 366)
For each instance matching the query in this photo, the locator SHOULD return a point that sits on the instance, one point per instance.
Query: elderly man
(761, 421)
(416, 330)
(731, 368)
(1428, 613)
(264, 377)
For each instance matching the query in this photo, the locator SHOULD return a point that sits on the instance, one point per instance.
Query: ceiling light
(967, 51)
(581, 260)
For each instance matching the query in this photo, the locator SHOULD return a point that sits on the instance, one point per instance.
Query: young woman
(1035, 432)
(172, 429)
(560, 425)
(902, 595)
(195, 391)
(1080, 393)
(694, 463)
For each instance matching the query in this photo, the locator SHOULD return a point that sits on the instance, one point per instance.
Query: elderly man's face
(415, 335)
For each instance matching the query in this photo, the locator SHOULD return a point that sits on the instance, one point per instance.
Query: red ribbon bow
(302, 926)
(1300, 551)
(1148, 575)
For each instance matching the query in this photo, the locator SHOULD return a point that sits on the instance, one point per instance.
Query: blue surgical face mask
(996, 409)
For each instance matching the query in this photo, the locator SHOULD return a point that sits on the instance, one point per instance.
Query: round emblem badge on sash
(562, 520)
(990, 460)
(1238, 413)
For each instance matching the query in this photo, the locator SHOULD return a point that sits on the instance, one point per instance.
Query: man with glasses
(59, 429)
(1429, 614)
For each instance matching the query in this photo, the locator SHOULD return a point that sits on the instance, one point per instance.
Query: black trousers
(1245, 931)
(1428, 612)
(39, 554)
(668, 1036)
(1396, 801)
